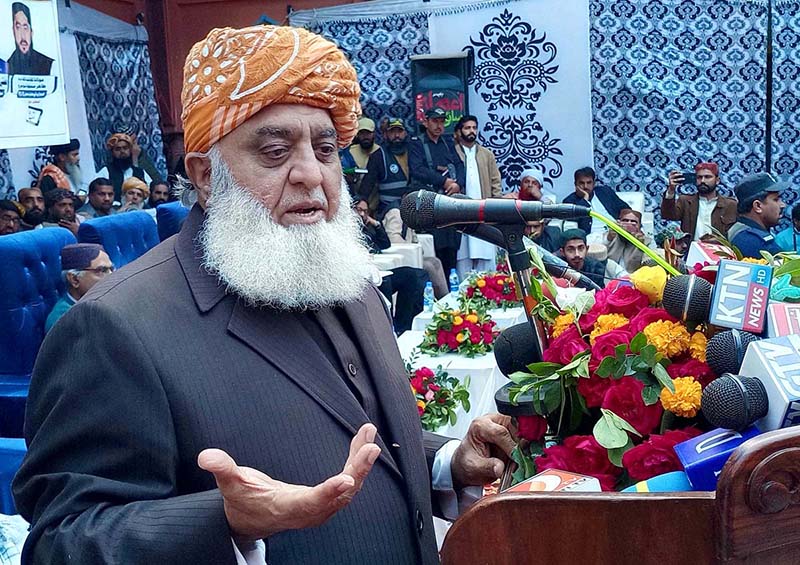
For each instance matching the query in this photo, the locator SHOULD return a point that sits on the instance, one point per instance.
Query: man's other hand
(258, 506)
(481, 457)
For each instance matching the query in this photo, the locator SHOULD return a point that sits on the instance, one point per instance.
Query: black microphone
(725, 351)
(424, 210)
(733, 402)
(688, 298)
(553, 264)
(515, 349)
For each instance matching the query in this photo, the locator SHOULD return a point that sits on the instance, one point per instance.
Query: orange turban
(133, 182)
(117, 137)
(234, 73)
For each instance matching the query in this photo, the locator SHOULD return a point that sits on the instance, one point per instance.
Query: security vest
(394, 184)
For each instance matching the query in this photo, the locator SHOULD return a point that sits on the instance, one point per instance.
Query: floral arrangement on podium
(438, 395)
(490, 290)
(469, 332)
(619, 385)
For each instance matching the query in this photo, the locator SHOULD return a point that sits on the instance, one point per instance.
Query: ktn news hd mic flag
(741, 295)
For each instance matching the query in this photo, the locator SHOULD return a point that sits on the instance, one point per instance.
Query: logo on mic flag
(741, 295)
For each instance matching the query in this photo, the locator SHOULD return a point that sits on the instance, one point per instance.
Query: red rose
(488, 338)
(424, 372)
(420, 409)
(563, 348)
(442, 337)
(692, 368)
(419, 384)
(624, 398)
(531, 428)
(701, 270)
(434, 388)
(581, 454)
(600, 307)
(627, 301)
(604, 346)
(646, 317)
(656, 456)
(594, 389)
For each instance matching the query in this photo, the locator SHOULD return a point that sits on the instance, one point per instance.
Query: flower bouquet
(619, 385)
(438, 395)
(490, 290)
(469, 333)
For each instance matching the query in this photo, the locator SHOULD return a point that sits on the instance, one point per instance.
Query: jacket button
(352, 369)
(420, 522)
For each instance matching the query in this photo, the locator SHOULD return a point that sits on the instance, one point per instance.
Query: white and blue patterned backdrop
(786, 95)
(676, 82)
(379, 49)
(118, 89)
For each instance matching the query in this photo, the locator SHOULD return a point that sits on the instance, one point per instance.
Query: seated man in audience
(531, 187)
(83, 265)
(760, 208)
(65, 170)
(705, 209)
(600, 198)
(134, 193)
(545, 236)
(620, 250)
(398, 232)
(574, 250)
(60, 211)
(788, 238)
(678, 241)
(159, 194)
(33, 202)
(407, 282)
(10, 217)
(100, 201)
(120, 166)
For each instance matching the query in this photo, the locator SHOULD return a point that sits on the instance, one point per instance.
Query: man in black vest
(386, 181)
(25, 60)
(121, 167)
(434, 165)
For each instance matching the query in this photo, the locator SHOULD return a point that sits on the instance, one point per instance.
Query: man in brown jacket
(699, 212)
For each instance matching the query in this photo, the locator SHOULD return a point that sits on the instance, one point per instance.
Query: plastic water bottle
(428, 297)
(454, 282)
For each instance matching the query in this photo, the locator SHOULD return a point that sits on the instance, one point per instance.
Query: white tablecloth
(411, 252)
(426, 241)
(388, 261)
(503, 318)
(485, 379)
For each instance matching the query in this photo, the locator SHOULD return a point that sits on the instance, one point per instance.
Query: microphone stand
(519, 261)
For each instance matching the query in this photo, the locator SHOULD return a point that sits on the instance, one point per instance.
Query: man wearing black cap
(386, 181)
(760, 208)
(25, 60)
(434, 165)
(60, 211)
(83, 266)
(67, 158)
(10, 217)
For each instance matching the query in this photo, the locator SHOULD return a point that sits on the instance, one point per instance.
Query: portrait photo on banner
(33, 108)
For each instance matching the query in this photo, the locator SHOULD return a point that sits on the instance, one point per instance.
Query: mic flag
(741, 295)
(704, 456)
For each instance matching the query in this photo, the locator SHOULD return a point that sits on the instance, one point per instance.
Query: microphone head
(515, 349)
(688, 298)
(525, 405)
(734, 402)
(725, 351)
(416, 209)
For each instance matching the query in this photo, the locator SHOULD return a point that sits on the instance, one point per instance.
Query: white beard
(75, 174)
(291, 268)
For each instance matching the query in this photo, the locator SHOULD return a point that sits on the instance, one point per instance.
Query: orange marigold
(685, 401)
(605, 324)
(760, 261)
(561, 324)
(671, 339)
(697, 346)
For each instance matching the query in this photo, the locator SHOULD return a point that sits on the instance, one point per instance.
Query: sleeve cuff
(254, 553)
(452, 503)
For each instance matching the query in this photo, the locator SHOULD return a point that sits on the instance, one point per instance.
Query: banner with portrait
(33, 109)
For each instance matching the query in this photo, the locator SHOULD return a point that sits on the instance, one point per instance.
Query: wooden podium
(753, 517)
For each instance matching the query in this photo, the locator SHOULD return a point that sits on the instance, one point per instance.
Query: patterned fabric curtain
(7, 189)
(674, 83)
(118, 88)
(379, 50)
(786, 95)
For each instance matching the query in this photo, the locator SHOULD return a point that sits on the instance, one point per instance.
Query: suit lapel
(280, 338)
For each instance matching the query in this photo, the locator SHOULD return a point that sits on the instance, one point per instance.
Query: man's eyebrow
(327, 133)
(272, 131)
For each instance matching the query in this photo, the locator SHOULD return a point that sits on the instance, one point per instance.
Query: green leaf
(453, 418)
(650, 394)
(615, 454)
(583, 303)
(638, 342)
(536, 290)
(619, 422)
(663, 377)
(521, 377)
(543, 368)
(608, 435)
(792, 267)
(607, 367)
(621, 351)
(577, 360)
(583, 368)
(648, 354)
(550, 395)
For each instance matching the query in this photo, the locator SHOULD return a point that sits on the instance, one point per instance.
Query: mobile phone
(689, 179)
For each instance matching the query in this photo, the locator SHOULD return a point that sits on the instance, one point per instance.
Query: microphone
(514, 349)
(687, 298)
(553, 264)
(725, 351)
(741, 295)
(424, 210)
(767, 391)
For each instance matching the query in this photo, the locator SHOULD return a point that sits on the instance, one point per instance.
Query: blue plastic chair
(12, 452)
(170, 217)
(125, 236)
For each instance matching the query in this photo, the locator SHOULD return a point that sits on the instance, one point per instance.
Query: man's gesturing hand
(480, 457)
(257, 506)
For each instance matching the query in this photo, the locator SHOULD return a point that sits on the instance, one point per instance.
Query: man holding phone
(703, 210)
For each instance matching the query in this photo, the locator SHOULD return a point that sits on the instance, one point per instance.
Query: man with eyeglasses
(83, 266)
(9, 217)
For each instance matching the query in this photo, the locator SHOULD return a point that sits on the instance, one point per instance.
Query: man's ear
(198, 169)
(72, 280)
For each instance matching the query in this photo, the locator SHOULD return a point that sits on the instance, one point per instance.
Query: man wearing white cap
(531, 183)
(364, 143)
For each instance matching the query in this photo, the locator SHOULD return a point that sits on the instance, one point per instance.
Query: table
(426, 242)
(411, 252)
(503, 318)
(485, 379)
(387, 261)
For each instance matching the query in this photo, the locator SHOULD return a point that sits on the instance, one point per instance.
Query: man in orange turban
(120, 166)
(257, 338)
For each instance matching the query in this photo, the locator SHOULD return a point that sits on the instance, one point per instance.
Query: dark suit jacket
(156, 364)
(34, 64)
(613, 203)
(685, 209)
